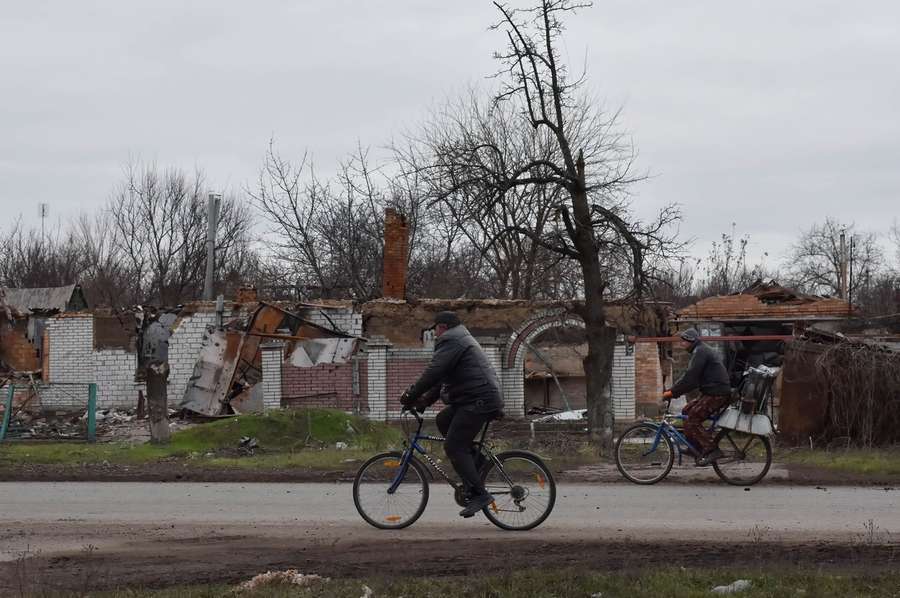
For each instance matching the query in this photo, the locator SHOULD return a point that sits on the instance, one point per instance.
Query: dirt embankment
(228, 559)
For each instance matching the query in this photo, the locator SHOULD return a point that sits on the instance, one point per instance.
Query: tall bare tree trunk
(157, 401)
(601, 338)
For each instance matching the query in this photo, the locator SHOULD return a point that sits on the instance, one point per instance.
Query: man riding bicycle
(706, 372)
(472, 394)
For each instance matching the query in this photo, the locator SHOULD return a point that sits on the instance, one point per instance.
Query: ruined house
(776, 315)
(765, 309)
(23, 318)
(282, 368)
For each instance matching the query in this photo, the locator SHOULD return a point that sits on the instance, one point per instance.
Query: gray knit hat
(690, 335)
(447, 317)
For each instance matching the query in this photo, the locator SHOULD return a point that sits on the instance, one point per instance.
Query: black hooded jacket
(706, 372)
(460, 365)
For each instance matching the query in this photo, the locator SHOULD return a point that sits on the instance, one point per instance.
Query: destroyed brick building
(773, 314)
(99, 346)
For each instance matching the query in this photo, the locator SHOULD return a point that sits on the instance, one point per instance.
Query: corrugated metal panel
(26, 301)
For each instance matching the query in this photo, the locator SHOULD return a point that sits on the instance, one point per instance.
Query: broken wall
(16, 350)
(79, 353)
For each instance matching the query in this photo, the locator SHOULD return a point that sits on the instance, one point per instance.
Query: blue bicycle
(391, 489)
(645, 452)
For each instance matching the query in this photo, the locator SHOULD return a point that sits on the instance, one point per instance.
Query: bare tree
(326, 235)
(582, 160)
(815, 261)
(726, 269)
(159, 223)
(513, 264)
(29, 258)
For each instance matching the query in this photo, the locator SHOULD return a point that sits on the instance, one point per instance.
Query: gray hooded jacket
(460, 365)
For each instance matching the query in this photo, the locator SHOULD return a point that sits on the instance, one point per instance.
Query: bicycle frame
(672, 433)
(413, 446)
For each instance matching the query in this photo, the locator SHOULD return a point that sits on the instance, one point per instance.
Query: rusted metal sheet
(229, 364)
(803, 405)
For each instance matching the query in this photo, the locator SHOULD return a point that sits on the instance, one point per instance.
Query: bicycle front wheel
(745, 459)
(523, 488)
(643, 455)
(394, 510)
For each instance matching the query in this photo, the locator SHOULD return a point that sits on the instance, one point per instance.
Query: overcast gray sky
(769, 114)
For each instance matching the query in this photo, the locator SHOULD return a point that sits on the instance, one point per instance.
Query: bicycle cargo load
(734, 419)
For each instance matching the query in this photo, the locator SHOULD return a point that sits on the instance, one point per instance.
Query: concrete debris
(571, 415)
(340, 445)
(740, 585)
(248, 444)
(291, 577)
(112, 416)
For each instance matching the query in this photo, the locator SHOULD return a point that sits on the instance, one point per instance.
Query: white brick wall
(73, 359)
(272, 358)
(377, 380)
(184, 349)
(622, 384)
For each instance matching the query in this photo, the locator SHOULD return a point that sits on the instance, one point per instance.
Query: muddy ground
(163, 562)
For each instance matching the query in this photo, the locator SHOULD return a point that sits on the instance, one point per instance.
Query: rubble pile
(113, 425)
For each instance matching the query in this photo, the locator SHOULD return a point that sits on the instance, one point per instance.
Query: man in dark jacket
(706, 372)
(473, 398)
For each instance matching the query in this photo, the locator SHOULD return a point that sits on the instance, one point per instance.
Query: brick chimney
(396, 245)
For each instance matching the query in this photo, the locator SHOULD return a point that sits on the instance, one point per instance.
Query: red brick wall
(400, 374)
(396, 241)
(749, 306)
(15, 349)
(45, 356)
(648, 386)
(329, 386)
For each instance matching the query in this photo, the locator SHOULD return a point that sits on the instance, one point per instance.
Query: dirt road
(160, 534)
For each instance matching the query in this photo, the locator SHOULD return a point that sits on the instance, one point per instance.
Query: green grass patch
(872, 462)
(672, 583)
(290, 436)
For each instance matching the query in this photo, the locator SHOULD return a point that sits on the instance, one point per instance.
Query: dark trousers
(459, 427)
(697, 411)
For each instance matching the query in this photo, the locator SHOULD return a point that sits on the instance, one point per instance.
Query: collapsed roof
(766, 301)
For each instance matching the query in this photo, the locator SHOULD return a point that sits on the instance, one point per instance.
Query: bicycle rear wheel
(746, 457)
(398, 509)
(523, 488)
(642, 457)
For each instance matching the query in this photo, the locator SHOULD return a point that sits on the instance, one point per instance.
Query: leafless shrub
(863, 384)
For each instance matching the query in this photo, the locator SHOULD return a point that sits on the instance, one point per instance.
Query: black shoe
(686, 450)
(710, 457)
(476, 503)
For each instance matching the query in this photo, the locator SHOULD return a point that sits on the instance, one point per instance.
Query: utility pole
(212, 217)
(842, 275)
(44, 210)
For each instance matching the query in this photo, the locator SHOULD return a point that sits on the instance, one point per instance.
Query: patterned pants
(697, 411)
